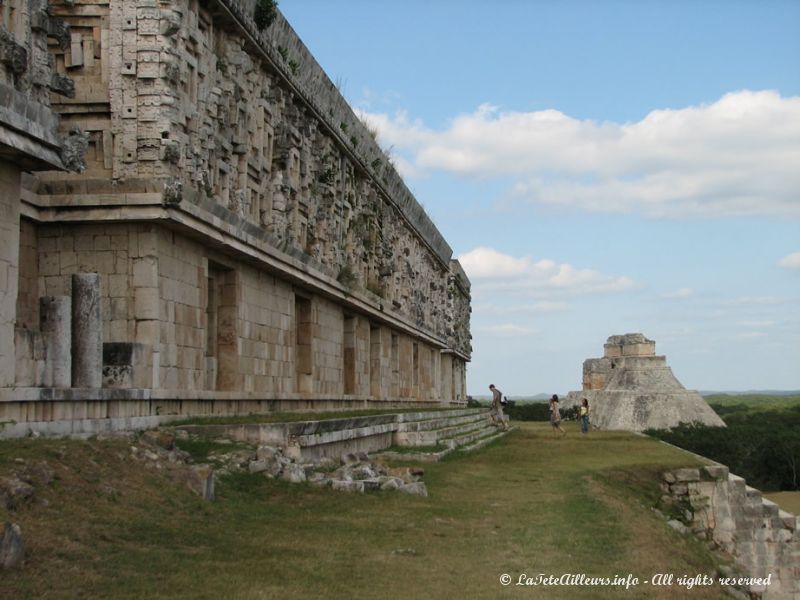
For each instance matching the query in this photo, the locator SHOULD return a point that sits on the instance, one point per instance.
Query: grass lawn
(788, 501)
(753, 402)
(529, 503)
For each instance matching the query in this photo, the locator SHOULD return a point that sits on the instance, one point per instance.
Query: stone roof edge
(30, 128)
(461, 276)
(295, 63)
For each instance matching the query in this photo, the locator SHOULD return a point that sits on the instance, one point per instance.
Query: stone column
(87, 331)
(55, 323)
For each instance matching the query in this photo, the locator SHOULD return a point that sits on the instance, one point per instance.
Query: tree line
(761, 445)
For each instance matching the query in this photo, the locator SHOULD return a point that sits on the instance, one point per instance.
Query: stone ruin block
(630, 344)
(126, 365)
(596, 372)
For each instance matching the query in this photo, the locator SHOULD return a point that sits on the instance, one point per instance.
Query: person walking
(498, 418)
(584, 415)
(555, 416)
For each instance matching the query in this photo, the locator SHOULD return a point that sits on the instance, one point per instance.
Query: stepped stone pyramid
(631, 388)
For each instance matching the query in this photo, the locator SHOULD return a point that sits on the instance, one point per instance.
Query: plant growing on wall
(328, 176)
(265, 13)
(347, 277)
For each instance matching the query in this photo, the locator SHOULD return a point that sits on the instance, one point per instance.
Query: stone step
(428, 415)
(442, 422)
(466, 439)
(487, 438)
(434, 436)
(340, 435)
(333, 437)
(456, 430)
(485, 441)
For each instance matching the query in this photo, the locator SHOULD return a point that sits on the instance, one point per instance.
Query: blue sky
(599, 168)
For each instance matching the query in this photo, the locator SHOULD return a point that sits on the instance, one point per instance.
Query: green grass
(751, 402)
(200, 448)
(788, 501)
(528, 503)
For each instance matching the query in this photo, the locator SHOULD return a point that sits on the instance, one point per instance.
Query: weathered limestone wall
(28, 140)
(254, 244)
(446, 377)
(596, 372)
(720, 507)
(155, 291)
(267, 333)
(243, 126)
(28, 277)
(630, 344)
(112, 250)
(177, 275)
(27, 126)
(9, 265)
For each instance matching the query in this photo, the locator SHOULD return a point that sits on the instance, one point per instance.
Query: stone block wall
(174, 98)
(328, 347)
(9, 264)
(28, 282)
(227, 185)
(25, 64)
(267, 333)
(630, 344)
(720, 507)
(596, 372)
(174, 297)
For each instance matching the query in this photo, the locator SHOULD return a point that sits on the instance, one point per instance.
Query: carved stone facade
(631, 388)
(28, 140)
(256, 248)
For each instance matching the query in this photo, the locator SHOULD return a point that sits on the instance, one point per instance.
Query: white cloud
(540, 307)
(754, 301)
(507, 330)
(751, 335)
(679, 294)
(736, 156)
(493, 270)
(790, 261)
(756, 324)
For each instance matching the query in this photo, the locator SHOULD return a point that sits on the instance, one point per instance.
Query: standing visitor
(584, 415)
(498, 418)
(555, 416)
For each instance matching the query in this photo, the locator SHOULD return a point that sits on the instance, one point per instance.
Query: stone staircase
(762, 539)
(437, 435)
(466, 429)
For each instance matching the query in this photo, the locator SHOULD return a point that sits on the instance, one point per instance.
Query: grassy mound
(109, 527)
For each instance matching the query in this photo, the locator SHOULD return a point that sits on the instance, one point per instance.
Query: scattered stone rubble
(16, 490)
(157, 449)
(12, 546)
(353, 472)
